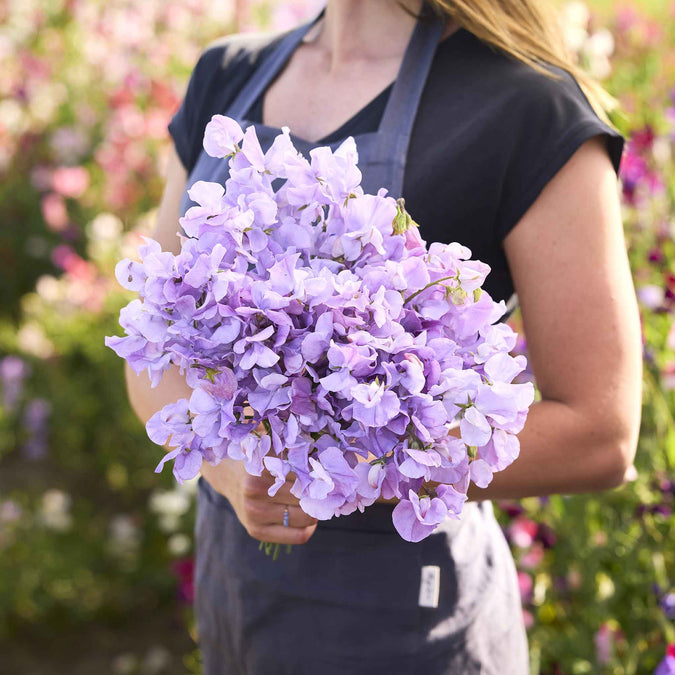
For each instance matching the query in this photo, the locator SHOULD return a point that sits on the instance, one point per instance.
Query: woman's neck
(357, 30)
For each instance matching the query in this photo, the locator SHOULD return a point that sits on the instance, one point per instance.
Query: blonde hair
(529, 31)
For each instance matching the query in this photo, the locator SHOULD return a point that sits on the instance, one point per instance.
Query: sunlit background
(96, 549)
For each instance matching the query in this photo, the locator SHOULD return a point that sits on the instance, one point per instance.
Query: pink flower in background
(522, 531)
(525, 585)
(668, 376)
(64, 257)
(667, 666)
(183, 569)
(670, 341)
(533, 557)
(70, 181)
(642, 140)
(54, 211)
(604, 642)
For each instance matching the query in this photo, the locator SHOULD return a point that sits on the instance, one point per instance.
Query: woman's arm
(568, 260)
(259, 513)
(144, 400)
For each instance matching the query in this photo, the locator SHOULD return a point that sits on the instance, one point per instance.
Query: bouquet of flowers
(304, 307)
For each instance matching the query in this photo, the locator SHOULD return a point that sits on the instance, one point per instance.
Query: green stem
(429, 285)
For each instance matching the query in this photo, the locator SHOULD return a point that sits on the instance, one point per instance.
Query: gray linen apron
(349, 601)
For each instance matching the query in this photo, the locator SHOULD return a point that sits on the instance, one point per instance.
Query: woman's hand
(261, 515)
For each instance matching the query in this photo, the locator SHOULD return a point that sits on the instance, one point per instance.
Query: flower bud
(402, 220)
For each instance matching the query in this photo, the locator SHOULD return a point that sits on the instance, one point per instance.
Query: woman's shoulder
(487, 74)
(221, 70)
(236, 52)
(500, 103)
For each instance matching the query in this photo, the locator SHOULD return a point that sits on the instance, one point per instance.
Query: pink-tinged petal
(481, 473)
(452, 498)
(474, 428)
(221, 136)
(503, 367)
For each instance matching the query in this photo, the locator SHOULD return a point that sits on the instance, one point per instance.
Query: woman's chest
(314, 100)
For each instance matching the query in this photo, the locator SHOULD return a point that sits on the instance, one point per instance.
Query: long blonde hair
(527, 30)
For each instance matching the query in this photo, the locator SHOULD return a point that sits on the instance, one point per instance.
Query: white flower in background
(179, 544)
(169, 506)
(651, 296)
(105, 227)
(45, 101)
(10, 511)
(188, 487)
(55, 510)
(125, 664)
(12, 117)
(157, 660)
(597, 49)
(32, 340)
(661, 151)
(50, 289)
(103, 236)
(124, 536)
(574, 17)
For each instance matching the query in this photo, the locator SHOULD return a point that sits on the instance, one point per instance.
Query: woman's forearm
(145, 400)
(559, 454)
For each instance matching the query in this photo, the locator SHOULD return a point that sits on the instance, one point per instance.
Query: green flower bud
(402, 220)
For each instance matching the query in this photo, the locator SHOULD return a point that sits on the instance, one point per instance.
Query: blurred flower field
(96, 549)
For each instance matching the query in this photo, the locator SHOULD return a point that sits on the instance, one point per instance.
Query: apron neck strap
(269, 69)
(406, 93)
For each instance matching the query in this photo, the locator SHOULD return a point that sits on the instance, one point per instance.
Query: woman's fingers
(278, 534)
(296, 516)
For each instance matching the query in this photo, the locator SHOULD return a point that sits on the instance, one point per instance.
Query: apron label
(430, 584)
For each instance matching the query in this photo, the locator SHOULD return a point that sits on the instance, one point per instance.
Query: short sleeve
(184, 125)
(551, 119)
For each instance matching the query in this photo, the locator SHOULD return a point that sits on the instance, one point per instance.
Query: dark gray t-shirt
(489, 134)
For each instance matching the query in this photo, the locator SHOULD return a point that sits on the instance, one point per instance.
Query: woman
(450, 109)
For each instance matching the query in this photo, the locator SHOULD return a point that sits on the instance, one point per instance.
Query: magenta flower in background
(667, 666)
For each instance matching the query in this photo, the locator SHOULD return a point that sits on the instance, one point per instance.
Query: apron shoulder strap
(269, 68)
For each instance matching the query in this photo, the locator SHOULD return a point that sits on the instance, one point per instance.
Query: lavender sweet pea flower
(252, 448)
(172, 421)
(295, 297)
(481, 473)
(667, 664)
(222, 136)
(130, 275)
(279, 469)
(501, 451)
(415, 518)
(253, 352)
(418, 463)
(474, 427)
(374, 406)
(503, 403)
(452, 498)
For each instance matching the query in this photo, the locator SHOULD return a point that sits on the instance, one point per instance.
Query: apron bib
(348, 601)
